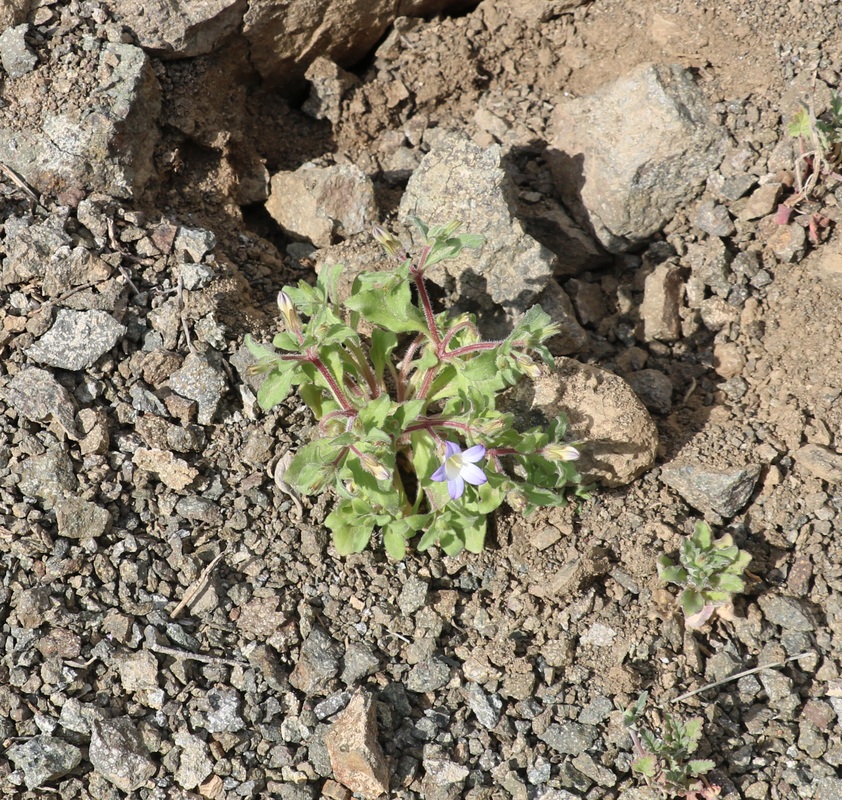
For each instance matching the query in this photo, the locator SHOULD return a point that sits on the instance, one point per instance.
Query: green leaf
(645, 766)
(800, 124)
(394, 542)
(699, 766)
(374, 413)
(382, 345)
(728, 583)
(475, 535)
(673, 574)
(275, 388)
(350, 539)
(260, 351)
(692, 602)
(701, 536)
(693, 730)
(384, 299)
(312, 466)
(328, 281)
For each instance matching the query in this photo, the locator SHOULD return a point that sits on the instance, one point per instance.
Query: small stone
(16, 55)
(791, 613)
(173, 472)
(195, 276)
(259, 618)
(359, 662)
(77, 339)
(317, 664)
(192, 244)
(661, 303)
(49, 477)
(138, 671)
(37, 396)
(722, 492)
(118, 753)
(597, 711)
(194, 763)
(487, 708)
(81, 519)
(44, 759)
(588, 300)
(728, 359)
(599, 635)
(736, 186)
(200, 379)
(329, 83)
(653, 388)
(428, 676)
(823, 462)
(61, 643)
(443, 772)
(762, 202)
(788, 243)
(714, 219)
(569, 738)
(413, 596)
(596, 772)
(224, 711)
(544, 537)
(355, 754)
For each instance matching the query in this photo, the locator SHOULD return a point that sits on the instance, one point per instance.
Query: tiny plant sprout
(409, 436)
(709, 574)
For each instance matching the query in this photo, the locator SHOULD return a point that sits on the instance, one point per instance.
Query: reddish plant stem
(337, 392)
(417, 273)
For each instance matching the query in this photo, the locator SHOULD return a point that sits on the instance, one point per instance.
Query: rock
(200, 378)
(191, 245)
(138, 671)
(355, 754)
(428, 676)
(618, 439)
(588, 301)
(181, 29)
(625, 182)
(444, 772)
(322, 204)
(105, 145)
(118, 753)
(569, 738)
(791, 613)
(821, 461)
(662, 302)
(728, 359)
(49, 476)
(711, 263)
(332, 705)
(413, 596)
(572, 337)
(81, 519)
(762, 202)
(77, 339)
(173, 472)
(359, 662)
(788, 242)
(224, 711)
(68, 267)
(37, 396)
(328, 85)
(44, 759)
(13, 12)
(653, 388)
(15, 54)
(709, 490)
(596, 772)
(317, 664)
(30, 246)
(194, 764)
(457, 180)
(487, 708)
(714, 219)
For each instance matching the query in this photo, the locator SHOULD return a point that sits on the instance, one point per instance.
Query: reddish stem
(338, 394)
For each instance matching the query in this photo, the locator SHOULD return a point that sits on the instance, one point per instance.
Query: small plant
(409, 436)
(709, 574)
(664, 761)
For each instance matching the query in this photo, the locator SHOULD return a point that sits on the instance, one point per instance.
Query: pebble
(194, 764)
(359, 662)
(201, 379)
(653, 388)
(428, 676)
(317, 664)
(761, 202)
(569, 738)
(790, 613)
(77, 339)
(723, 492)
(173, 472)
(192, 244)
(596, 772)
(37, 396)
(413, 596)
(81, 519)
(119, 755)
(661, 303)
(714, 219)
(487, 708)
(443, 772)
(43, 759)
(823, 462)
(16, 55)
(596, 711)
(49, 476)
(331, 705)
(223, 713)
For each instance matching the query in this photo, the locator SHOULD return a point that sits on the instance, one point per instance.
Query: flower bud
(372, 465)
(527, 366)
(386, 240)
(517, 500)
(287, 309)
(561, 452)
(490, 427)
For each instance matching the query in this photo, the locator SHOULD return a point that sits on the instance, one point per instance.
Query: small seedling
(709, 573)
(664, 761)
(409, 437)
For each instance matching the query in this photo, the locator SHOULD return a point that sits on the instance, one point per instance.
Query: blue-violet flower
(460, 467)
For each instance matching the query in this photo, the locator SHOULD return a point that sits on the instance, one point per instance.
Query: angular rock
(791, 613)
(569, 738)
(118, 753)
(661, 303)
(30, 246)
(618, 439)
(194, 764)
(359, 662)
(428, 676)
(44, 759)
(788, 242)
(458, 180)
(317, 664)
(487, 708)
(14, 12)
(77, 339)
(653, 388)
(328, 85)
(571, 338)
(413, 595)
(182, 29)
(200, 378)
(441, 772)
(15, 54)
(823, 462)
(173, 472)
(80, 519)
(138, 671)
(355, 754)
(722, 492)
(224, 711)
(49, 476)
(714, 219)
(626, 181)
(37, 396)
(761, 202)
(322, 204)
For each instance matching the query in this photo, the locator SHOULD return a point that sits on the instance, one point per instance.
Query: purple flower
(459, 467)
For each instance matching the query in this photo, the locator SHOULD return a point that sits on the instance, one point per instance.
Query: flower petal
(473, 474)
(451, 449)
(440, 474)
(474, 454)
(456, 487)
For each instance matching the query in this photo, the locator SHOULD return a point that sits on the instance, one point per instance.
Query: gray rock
(43, 759)
(736, 186)
(428, 676)
(763, 201)
(328, 85)
(572, 338)
(359, 662)
(68, 267)
(15, 54)
(138, 671)
(458, 180)
(711, 263)
(332, 705)
(569, 738)
(30, 246)
(192, 244)
(788, 243)
(322, 204)
(823, 462)
(81, 519)
(596, 772)
(444, 772)
(653, 388)
(828, 788)
(317, 664)
(598, 710)
(661, 304)
(626, 182)
(119, 755)
(791, 613)
(195, 276)
(77, 339)
(194, 764)
(77, 716)
(49, 476)
(487, 708)
(37, 396)
(714, 219)
(413, 595)
(200, 378)
(224, 711)
(722, 492)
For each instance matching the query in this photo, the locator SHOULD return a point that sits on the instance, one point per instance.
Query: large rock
(625, 157)
(615, 434)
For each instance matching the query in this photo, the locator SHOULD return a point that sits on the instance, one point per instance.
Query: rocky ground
(175, 623)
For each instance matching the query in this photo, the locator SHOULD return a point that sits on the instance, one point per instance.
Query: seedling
(709, 574)
(409, 437)
(664, 760)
